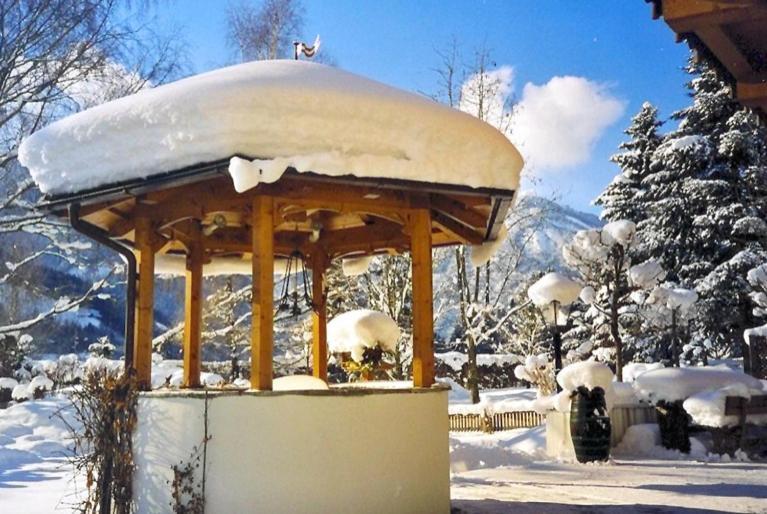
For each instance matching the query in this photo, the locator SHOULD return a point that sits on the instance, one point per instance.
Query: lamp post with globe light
(553, 294)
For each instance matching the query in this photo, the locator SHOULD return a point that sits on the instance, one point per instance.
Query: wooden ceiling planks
(733, 32)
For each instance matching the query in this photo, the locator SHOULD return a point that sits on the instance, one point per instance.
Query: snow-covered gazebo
(235, 168)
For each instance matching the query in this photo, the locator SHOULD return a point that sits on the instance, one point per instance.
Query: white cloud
(487, 96)
(557, 124)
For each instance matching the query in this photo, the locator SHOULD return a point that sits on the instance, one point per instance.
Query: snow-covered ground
(35, 476)
(490, 473)
(508, 472)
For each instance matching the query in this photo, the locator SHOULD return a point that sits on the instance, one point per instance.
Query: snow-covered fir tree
(623, 197)
(705, 209)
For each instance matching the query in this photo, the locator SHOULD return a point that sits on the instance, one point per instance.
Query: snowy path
(39, 488)
(646, 486)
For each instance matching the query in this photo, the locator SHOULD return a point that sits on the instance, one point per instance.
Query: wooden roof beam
(725, 50)
(459, 231)
(689, 15)
(458, 211)
(752, 94)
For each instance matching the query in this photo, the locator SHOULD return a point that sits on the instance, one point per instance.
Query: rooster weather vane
(300, 47)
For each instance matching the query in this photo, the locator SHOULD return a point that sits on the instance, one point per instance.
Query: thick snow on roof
(283, 113)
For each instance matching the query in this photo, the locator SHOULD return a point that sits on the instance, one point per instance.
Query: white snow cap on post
(554, 287)
(275, 114)
(356, 330)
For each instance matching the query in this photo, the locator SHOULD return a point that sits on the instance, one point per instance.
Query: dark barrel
(590, 425)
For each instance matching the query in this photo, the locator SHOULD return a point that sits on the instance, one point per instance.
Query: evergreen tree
(705, 205)
(623, 198)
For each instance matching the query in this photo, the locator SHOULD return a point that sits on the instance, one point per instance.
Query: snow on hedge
(673, 384)
(8, 383)
(456, 360)
(281, 114)
(353, 331)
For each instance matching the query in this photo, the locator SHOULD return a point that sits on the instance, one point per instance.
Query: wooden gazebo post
(261, 344)
(423, 317)
(319, 316)
(193, 306)
(142, 352)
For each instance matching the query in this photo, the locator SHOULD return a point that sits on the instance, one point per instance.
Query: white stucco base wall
(337, 451)
(559, 443)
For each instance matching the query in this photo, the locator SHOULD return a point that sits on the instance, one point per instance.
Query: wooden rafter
(457, 230)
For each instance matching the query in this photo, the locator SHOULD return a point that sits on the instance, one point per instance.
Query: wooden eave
(341, 216)
(731, 32)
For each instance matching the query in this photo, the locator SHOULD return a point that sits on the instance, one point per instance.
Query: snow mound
(643, 441)
(328, 121)
(8, 383)
(353, 331)
(633, 369)
(299, 383)
(673, 384)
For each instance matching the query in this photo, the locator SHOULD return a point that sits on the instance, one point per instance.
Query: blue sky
(612, 44)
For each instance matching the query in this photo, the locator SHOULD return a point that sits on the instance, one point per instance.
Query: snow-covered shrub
(21, 393)
(103, 347)
(105, 417)
(39, 386)
(7, 385)
(603, 257)
(539, 371)
(363, 338)
(68, 370)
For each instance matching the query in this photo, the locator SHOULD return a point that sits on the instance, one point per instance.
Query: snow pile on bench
(354, 331)
(707, 408)
(632, 370)
(673, 384)
(278, 114)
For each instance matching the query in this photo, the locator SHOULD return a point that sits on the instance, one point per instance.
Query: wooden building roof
(733, 33)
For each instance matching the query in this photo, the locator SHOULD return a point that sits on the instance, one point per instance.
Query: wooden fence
(495, 422)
